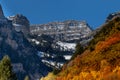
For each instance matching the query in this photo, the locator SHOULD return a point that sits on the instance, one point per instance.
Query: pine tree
(6, 69)
(78, 50)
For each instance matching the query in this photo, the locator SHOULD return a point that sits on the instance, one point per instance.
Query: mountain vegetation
(37, 50)
(78, 50)
(100, 60)
(6, 72)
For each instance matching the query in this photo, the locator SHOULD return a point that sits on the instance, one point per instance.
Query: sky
(94, 12)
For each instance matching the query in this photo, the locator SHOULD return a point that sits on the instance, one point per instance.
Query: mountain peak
(112, 15)
(1, 12)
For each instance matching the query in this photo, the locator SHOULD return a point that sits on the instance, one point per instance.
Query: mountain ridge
(64, 31)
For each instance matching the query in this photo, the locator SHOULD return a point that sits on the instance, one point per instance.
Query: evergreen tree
(6, 69)
(78, 50)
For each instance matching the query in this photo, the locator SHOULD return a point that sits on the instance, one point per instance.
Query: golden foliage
(50, 76)
(96, 65)
(101, 59)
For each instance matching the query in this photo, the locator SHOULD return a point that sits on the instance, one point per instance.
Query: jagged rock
(112, 15)
(21, 23)
(22, 54)
(20, 19)
(1, 12)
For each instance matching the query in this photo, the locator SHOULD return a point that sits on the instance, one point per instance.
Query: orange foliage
(105, 74)
(103, 45)
(81, 69)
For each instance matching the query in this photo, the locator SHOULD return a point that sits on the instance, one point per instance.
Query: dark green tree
(6, 72)
(78, 50)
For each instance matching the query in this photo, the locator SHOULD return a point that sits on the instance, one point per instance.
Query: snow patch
(16, 24)
(36, 41)
(10, 18)
(52, 63)
(67, 57)
(41, 54)
(66, 46)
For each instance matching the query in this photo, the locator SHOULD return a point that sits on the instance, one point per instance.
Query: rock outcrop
(1, 12)
(112, 15)
(21, 23)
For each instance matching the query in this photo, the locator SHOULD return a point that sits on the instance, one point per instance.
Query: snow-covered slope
(66, 46)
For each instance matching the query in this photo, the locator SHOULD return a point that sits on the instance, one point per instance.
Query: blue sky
(44, 11)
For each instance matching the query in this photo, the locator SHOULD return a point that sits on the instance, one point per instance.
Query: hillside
(99, 61)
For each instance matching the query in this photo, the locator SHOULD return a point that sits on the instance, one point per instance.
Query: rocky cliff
(1, 12)
(63, 31)
(14, 44)
(21, 23)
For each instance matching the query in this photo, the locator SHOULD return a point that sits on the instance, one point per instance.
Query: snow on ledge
(67, 57)
(67, 45)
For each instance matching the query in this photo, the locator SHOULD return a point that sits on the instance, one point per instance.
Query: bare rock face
(23, 55)
(1, 12)
(21, 23)
(20, 19)
(63, 31)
